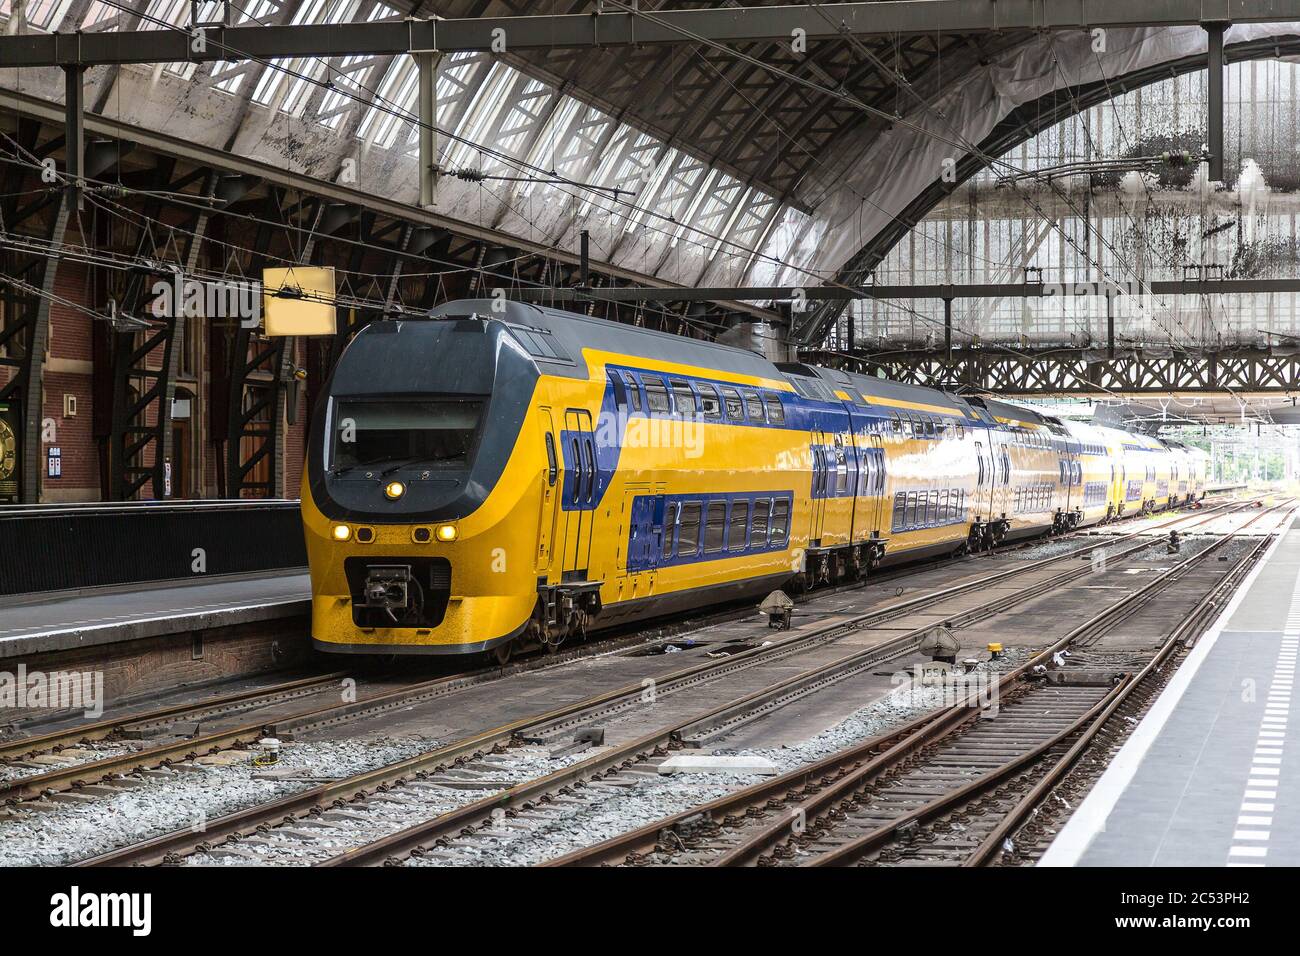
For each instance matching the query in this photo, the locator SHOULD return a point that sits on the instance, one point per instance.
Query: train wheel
(503, 652)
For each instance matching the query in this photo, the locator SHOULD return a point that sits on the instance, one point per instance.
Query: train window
(620, 395)
(715, 527)
(656, 396)
(735, 407)
(738, 526)
(930, 431)
(683, 397)
(670, 527)
(961, 430)
(633, 391)
(934, 507)
(841, 468)
(552, 466)
(591, 469)
(943, 506)
(710, 402)
(688, 534)
(907, 426)
(909, 511)
(780, 520)
(775, 410)
(895, 424)
(758, 527)
(900, 511)
(754, 406)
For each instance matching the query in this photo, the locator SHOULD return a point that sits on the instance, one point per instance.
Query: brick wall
(68, 372)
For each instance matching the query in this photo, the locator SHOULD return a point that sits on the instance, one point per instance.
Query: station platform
(64, 620)
(1205, 779)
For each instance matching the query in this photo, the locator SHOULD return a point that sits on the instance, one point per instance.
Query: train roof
(555, 339)
(871, 387)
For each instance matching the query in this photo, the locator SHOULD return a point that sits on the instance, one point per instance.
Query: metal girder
(27, 290)
(538, 32)
(257, 390)
(150, 357)
(1076, 371)
(1019, 126)
(1170, 287)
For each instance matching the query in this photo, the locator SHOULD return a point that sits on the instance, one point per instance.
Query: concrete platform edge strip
(41, 642)
(1090, 818)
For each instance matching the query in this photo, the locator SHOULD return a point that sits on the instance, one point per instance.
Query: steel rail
(837, 772)
(244, 821)
(19, 747)
(1184, 633)
(421, 835)
(855, 848)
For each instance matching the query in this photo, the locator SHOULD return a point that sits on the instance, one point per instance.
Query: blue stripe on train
(647, 530)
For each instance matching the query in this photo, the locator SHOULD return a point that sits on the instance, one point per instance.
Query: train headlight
(446, 533)
(394, 490)
(340, 532)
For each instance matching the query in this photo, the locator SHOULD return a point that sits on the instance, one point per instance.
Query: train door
(875, 481)
(549, 512)
(1068, 491)
(634, 530)
(1001, 476)
(984, 480)
(819, 483)
(579, 494)
(640, 539)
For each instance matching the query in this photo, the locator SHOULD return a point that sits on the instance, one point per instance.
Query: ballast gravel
(593, 814)
(374, 817)
(82, 753)
(47, 833)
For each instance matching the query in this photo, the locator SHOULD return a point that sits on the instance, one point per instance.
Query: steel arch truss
(1066, 372)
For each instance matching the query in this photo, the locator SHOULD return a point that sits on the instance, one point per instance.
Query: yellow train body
(534, 475)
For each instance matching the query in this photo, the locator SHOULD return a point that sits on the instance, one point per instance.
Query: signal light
(340, 532)
(446, 533)
(394, 490)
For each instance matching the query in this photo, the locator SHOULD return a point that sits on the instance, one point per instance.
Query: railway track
(444, 792)
(547, 728)
(63, 753)
(943, 789)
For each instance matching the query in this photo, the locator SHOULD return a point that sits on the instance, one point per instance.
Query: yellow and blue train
(501, 474)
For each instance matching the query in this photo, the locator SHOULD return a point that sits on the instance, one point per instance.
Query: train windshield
(426, 434)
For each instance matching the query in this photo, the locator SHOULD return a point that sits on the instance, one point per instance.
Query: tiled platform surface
(1208, 778)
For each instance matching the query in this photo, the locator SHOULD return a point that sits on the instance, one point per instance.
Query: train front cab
(423, 490)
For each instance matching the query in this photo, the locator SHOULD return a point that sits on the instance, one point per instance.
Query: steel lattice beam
(1051, 372)
(617, 29)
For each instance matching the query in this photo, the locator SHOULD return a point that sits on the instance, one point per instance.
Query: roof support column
(38, 338)
(427, 63)
(74, 101)
(947, 329)
(1214, 122)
